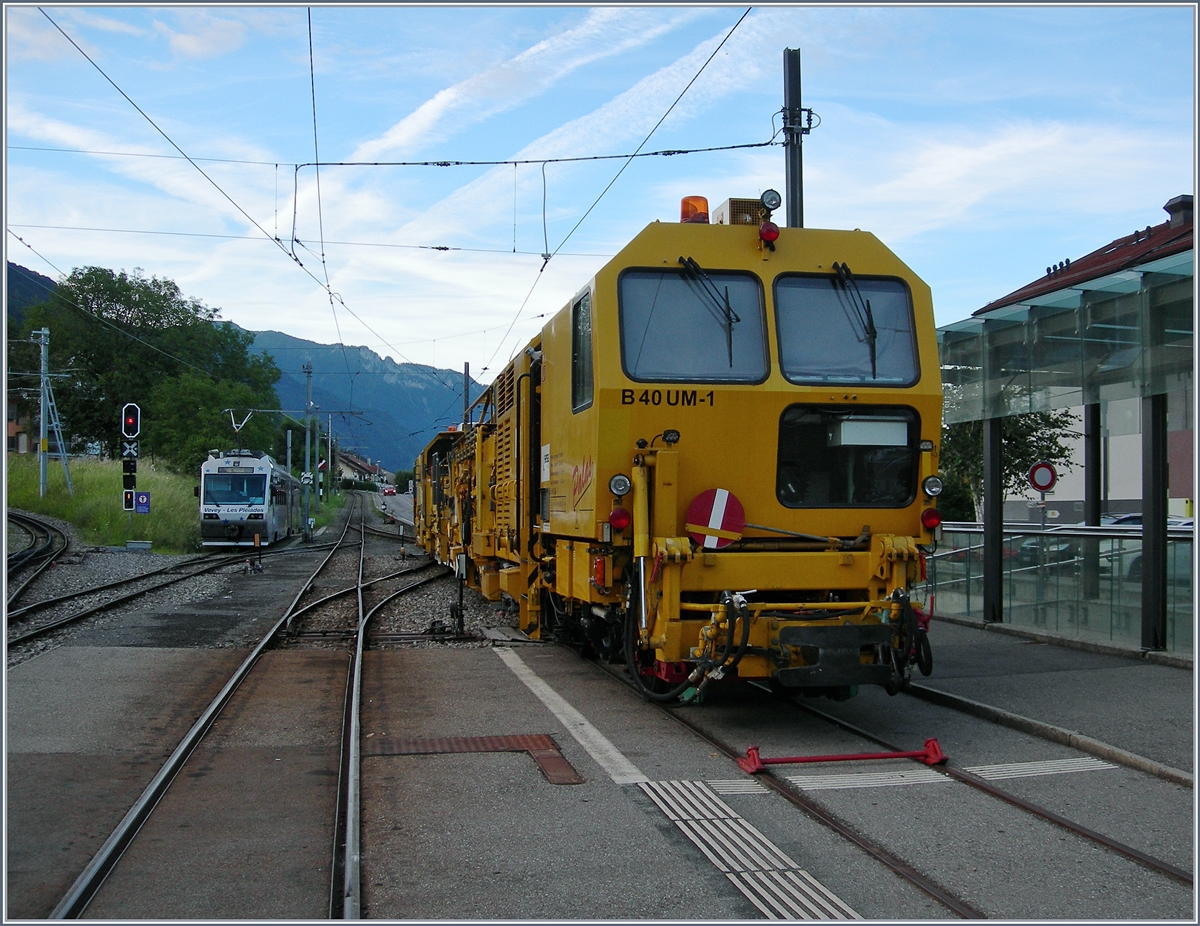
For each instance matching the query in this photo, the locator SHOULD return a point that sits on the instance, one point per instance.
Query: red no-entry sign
(715, 519)
(1042, 477)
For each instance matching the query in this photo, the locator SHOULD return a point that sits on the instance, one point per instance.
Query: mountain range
(383, 411)
(398, 406)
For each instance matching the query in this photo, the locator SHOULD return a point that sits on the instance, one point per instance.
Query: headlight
(933, 486)
(619, 485)
(771, 200)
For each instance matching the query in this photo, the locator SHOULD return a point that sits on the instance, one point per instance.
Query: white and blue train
(246, 500)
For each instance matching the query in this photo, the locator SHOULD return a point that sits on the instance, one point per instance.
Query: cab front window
(845, 329)
(234, 489)
(686, 324)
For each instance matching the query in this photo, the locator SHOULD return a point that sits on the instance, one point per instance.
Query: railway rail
(47, 544)
(924, 882)
(320, 619)
(170, 575)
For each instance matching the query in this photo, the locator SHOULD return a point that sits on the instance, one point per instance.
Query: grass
(172, 526)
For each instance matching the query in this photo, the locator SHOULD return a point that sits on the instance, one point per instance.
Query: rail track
(924, 882)
(47, 544)
(124, 591)
(325, 619)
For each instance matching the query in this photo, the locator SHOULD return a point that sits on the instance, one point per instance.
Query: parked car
(1047, 549)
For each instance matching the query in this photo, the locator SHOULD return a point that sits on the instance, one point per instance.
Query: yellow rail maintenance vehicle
(718, 459)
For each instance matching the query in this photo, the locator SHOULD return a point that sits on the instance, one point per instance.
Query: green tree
(1025, 440)
(128, 338)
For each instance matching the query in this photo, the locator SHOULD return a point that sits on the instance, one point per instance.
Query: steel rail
(345, 888)
(45, 628)
(81, 892)
(50, 554)
(981, 784)
(129, 580)
(914, 877)
(348, 589)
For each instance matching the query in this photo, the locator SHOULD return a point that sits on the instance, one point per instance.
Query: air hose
(710, 669)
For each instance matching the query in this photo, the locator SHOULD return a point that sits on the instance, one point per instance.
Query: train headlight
(619, 518)
(619, 486)
(931, 518)
(933, 486)
(770, 200)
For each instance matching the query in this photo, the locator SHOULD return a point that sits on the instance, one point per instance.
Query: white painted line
(737, 786)
(1046, 767)
(607, 756)
(915, 776)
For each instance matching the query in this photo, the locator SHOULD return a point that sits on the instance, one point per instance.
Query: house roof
(1141, 247)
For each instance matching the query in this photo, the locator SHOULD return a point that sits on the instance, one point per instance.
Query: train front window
(842, 458)
(845, 330)
(687, 324)
(234, 490)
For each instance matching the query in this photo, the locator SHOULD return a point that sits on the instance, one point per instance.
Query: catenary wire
(222, 191)
(628, 161)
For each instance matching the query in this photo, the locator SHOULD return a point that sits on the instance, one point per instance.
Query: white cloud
(204, 35)
(29, 35)
(604, 33)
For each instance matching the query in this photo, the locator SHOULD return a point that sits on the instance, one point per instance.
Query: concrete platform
(1143, 708)
(87, 729)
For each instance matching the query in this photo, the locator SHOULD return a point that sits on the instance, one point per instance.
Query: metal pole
(793, 136)
(466, 392)
(44, 436)
(307, 368)
(993, 520)
(289, 451)
(1154, 522)
(329, 458)
(1092, 452)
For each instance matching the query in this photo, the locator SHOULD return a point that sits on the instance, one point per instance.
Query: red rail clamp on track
(931, 755)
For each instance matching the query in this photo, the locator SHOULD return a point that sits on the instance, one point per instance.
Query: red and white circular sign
(715, 519)
(1042, 477)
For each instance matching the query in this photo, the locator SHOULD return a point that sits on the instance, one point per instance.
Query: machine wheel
(924, 653)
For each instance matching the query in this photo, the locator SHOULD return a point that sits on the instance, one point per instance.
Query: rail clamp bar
(931, 755)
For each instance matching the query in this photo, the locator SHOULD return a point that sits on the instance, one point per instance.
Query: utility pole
(44, 435)
(466, 393)
(289, 451)
(307, 368)
(329, 459)
(793, 136)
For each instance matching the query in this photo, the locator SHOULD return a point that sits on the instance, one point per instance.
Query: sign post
(1042, 478)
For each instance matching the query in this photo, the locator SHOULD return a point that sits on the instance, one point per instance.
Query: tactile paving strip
(770, 880)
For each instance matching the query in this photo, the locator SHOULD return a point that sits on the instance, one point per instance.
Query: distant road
(400, 506)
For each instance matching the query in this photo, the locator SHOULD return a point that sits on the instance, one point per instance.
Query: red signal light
(768, 231)
(931, 518)
(619, 518)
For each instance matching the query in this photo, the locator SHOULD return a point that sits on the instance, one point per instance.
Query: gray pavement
(1126, 702)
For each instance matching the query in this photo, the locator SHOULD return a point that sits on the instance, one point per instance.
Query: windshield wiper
(863, 306)
(709, 288)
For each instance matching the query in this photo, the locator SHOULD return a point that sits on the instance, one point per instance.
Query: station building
(1110, 336)
(1096, 335)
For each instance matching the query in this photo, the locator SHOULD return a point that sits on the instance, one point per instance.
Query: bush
(173, 525)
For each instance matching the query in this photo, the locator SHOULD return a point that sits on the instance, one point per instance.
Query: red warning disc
(715, 519)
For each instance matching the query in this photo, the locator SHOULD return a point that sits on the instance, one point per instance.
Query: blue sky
(980, 143)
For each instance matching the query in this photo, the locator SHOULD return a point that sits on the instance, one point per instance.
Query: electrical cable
(101, 319)
(222, 191)
(628, 161)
